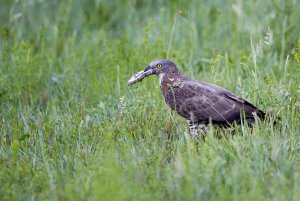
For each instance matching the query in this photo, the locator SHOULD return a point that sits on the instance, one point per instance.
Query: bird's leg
(193, 128)
(202, 128)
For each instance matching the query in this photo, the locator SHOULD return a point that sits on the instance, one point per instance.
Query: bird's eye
(159, 66)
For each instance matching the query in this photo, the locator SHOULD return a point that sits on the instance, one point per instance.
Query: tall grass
(71, 129)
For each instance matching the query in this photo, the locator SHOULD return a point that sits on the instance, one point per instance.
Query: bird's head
(158, 67)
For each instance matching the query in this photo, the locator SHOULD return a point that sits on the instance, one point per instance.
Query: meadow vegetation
(71, 128)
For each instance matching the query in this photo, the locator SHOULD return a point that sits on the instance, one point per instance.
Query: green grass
(71, 128)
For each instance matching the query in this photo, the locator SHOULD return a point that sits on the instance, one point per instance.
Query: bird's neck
(170, 79)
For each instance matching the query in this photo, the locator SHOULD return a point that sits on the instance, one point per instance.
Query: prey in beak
(138, 77)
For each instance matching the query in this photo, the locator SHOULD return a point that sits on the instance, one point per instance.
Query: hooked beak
(148, 71)
(147, 68)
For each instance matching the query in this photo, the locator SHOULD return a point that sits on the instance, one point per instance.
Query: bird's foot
(193, 128)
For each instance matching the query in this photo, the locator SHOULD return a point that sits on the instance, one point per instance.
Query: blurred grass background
(71, 129)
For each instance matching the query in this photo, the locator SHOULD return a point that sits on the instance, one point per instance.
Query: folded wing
(204, 102)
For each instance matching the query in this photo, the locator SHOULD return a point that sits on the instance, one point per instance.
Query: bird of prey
(198, 102)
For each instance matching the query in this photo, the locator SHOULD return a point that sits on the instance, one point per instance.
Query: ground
(71, 128)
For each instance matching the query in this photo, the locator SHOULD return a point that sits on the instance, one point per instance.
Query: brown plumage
(200, 102)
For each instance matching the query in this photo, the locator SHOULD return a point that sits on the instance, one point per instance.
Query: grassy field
(71, 128)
